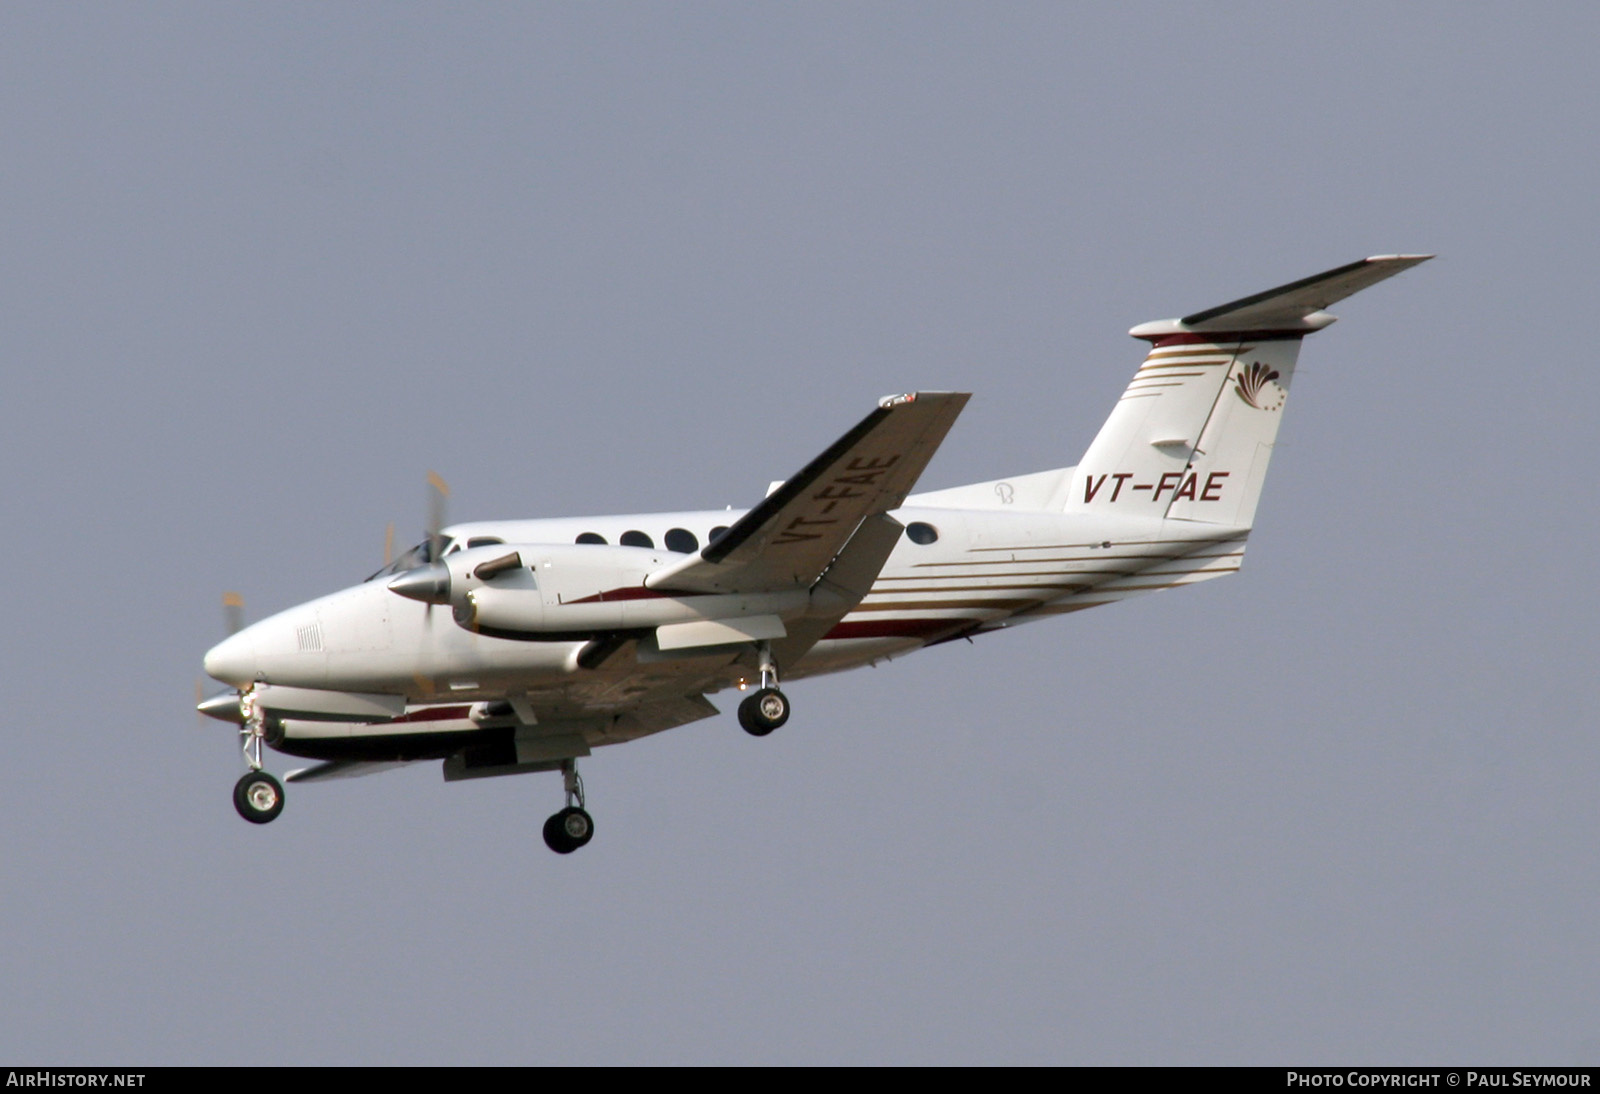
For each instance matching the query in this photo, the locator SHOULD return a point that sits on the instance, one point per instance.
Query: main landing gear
(571, 828)
(258, 796)
(767, 708)
(763, 712)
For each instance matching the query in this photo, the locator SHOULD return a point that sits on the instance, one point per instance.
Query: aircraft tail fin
(1191, 436)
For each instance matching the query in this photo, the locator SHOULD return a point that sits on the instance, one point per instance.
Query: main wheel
(258, 797)
(568, 830)
(764, 712)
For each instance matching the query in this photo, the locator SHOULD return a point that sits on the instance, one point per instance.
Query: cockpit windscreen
(420, 555)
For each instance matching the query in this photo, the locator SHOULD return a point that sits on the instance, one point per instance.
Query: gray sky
(264, 267)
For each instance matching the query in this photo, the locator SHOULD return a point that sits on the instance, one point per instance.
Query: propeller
(429, 582)
(438, 494)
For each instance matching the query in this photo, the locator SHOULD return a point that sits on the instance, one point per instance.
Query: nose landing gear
(258, 796)
(571, 828)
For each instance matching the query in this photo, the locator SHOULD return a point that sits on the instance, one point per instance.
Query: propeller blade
(232, 613)
(438, 492)
(388, 545)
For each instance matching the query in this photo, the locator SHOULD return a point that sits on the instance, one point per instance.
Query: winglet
(1297, 306)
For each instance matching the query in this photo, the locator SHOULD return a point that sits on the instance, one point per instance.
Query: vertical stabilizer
(1174, 442)
(1191, 437)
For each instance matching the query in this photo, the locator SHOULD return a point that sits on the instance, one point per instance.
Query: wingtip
(889, 401)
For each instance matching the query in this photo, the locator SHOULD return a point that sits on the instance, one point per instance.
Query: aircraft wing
(792, 536)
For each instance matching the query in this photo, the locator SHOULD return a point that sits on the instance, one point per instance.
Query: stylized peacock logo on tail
(1254, 384)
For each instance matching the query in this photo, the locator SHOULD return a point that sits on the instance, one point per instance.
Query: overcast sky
(263, 267)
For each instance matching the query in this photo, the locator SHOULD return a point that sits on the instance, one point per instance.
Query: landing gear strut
(571, 828)
(258, 796)
(768, 708)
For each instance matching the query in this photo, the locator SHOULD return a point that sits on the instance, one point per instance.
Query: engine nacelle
(562, 592)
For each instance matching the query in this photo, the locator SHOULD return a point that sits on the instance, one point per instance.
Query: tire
(764, 712)
(555, 838)
(258, 797)
(568, 830)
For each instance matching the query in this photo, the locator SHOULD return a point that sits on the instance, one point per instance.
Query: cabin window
(682, 541)
(635, 538)
(590, 537)
(484, 541)
(717, 533)
(922, 533)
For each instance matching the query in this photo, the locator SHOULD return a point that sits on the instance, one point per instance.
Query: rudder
(1191, 435)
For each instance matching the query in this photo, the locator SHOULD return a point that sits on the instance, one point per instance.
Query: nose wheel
(571, 828)
(258, 797)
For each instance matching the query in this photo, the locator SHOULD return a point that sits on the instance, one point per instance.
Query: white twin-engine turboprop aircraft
(510, 646)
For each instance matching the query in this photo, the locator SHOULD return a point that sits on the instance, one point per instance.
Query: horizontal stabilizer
(1295, 306)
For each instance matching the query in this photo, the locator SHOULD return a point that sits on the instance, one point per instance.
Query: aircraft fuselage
(982, 569)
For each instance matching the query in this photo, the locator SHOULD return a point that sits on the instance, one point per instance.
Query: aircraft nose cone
(233, 660)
